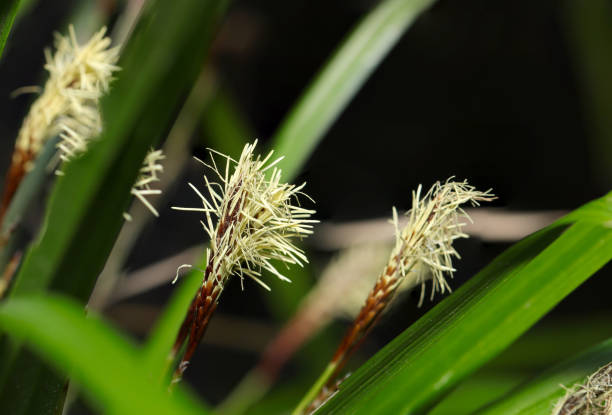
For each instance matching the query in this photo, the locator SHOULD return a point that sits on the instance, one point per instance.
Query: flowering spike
(423, 251)
(256, 220)
(251, 220)
(78, 77)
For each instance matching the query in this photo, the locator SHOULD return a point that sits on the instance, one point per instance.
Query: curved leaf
(105, 364)
(8, 11)
(482, 318)
(85, 208)
(539, 395)
(337, 83)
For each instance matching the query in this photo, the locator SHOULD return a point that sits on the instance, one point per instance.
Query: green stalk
(315, 389)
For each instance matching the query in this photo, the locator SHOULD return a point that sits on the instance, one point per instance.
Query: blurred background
(511, 95)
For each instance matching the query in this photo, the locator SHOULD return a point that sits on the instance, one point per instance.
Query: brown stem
(15, 174)
(378, 299)
(8, 273)
(326, 392)
(196, 321)
(204, 303)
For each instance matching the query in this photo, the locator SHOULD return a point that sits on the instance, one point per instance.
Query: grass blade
(104, 175)
(105, 364)
(477, 391)
(344, 74)
(85, 208)
(8, 11)
(539, 395)
(164, 334)
(11, 230)
(482, 318)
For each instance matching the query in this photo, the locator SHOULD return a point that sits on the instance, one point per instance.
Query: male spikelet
(423, 251)
(68, 106)
(594, 397)
(149, 171)
(250, 219)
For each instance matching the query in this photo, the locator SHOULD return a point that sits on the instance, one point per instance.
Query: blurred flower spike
(79, 75)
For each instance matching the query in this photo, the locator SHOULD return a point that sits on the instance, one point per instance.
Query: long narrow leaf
(162, 338)
(539, 395)
(482, 318)
(105, 364)
(156, 63)
(85, 209)
(8, 11)
(30, 188)
(337, 83)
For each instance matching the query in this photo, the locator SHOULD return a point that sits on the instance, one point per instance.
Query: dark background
(495, 92)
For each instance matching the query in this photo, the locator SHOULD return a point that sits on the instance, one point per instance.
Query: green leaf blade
(8, 11)
(84, 212)
(104, 363)
(164, 334)
(473, 325)
(337, 83)
(538, 396)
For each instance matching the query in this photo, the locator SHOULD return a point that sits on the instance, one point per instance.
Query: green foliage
(223, 125)
(85, 209)
(162, 337)
(8, 11)
(84, 215)
(110, 368)
(482, 318)
(539, 395)
(105, 174)
(343, 75)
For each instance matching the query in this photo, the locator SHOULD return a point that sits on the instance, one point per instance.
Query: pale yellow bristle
(251, 219)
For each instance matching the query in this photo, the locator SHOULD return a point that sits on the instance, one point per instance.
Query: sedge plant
(257, 219)
(423, 252)
(252, 219)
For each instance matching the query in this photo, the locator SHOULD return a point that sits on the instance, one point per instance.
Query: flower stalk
(256, 222)
(423, 252)
(336, 294)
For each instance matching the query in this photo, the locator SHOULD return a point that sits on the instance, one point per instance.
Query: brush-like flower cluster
(68, 106)
(424, 247)
(594, 397)
(251, 218)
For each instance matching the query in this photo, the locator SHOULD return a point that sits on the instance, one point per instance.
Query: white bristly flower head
(79, 75)
(149, 171)
(424, 247)
(593, 397)
(423, 250)
(251, 218)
